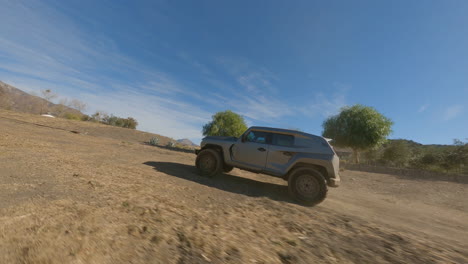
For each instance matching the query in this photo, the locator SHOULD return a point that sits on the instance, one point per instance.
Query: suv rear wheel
(307, 186)
(209, 163)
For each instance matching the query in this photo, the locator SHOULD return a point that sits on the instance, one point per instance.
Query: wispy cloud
(342, 87)
(168, 117)
(45, 49)
(254, 94)
(324, 106)
(423, 108)
(254, 79)
(452, 112)
(266, 109)
(56, 54)
(196, 64)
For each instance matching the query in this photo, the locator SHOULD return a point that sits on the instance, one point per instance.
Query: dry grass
(100, 196)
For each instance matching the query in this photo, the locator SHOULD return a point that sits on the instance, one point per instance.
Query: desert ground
(78, 192)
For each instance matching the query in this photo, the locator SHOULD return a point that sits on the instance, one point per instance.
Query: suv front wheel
(307, 186)
(209, 163)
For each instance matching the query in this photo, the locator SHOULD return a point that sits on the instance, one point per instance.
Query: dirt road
(99, 195)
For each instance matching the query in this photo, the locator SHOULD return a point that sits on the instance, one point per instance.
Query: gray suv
(306, 161)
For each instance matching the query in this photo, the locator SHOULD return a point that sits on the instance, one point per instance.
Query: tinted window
(258, 137)
(283, 140)
(305, 142)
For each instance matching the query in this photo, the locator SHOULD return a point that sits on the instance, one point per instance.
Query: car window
(283, 140)
(258, 137)
(305, 142)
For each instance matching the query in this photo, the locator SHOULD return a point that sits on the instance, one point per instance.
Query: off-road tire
(307, 186)
(227, 168)
(209, 163)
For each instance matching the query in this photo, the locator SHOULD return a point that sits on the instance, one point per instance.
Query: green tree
(227, 124)
(358, 127)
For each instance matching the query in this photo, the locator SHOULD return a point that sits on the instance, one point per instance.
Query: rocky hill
(187, 142)
(12, 98)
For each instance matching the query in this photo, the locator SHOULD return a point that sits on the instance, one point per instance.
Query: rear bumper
(334, 172)
(334, 182)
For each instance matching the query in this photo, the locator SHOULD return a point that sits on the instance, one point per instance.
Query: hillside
(187, 142)
(85, 128)
(12, 98)
(98, 195)
(412, 145)
(418, 146)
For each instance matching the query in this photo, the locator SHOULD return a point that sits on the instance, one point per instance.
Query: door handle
(261, 149)
(286, 153)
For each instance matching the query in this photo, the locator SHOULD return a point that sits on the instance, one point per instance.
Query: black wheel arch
(316, 167)
(218, 148)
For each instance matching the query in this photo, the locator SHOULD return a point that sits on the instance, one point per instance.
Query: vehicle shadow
(178, 149)
(225, 182)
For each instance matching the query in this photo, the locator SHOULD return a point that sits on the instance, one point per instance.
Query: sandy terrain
(101, 196)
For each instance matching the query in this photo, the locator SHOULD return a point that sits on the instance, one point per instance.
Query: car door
(280, 153)
(252, 150)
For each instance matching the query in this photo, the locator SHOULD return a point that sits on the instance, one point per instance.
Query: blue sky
(291, 64)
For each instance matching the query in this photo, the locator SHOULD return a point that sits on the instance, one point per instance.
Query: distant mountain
(12, 98)
(187, 142)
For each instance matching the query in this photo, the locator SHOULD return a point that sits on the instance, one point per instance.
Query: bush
(372, 156)
(397, 153)
(72, 116)
(85, 118)
(171, 144)
(130, 122)
(430, 159)
(154, 141)
(455, 159)
(98, 117)
(112, 120)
